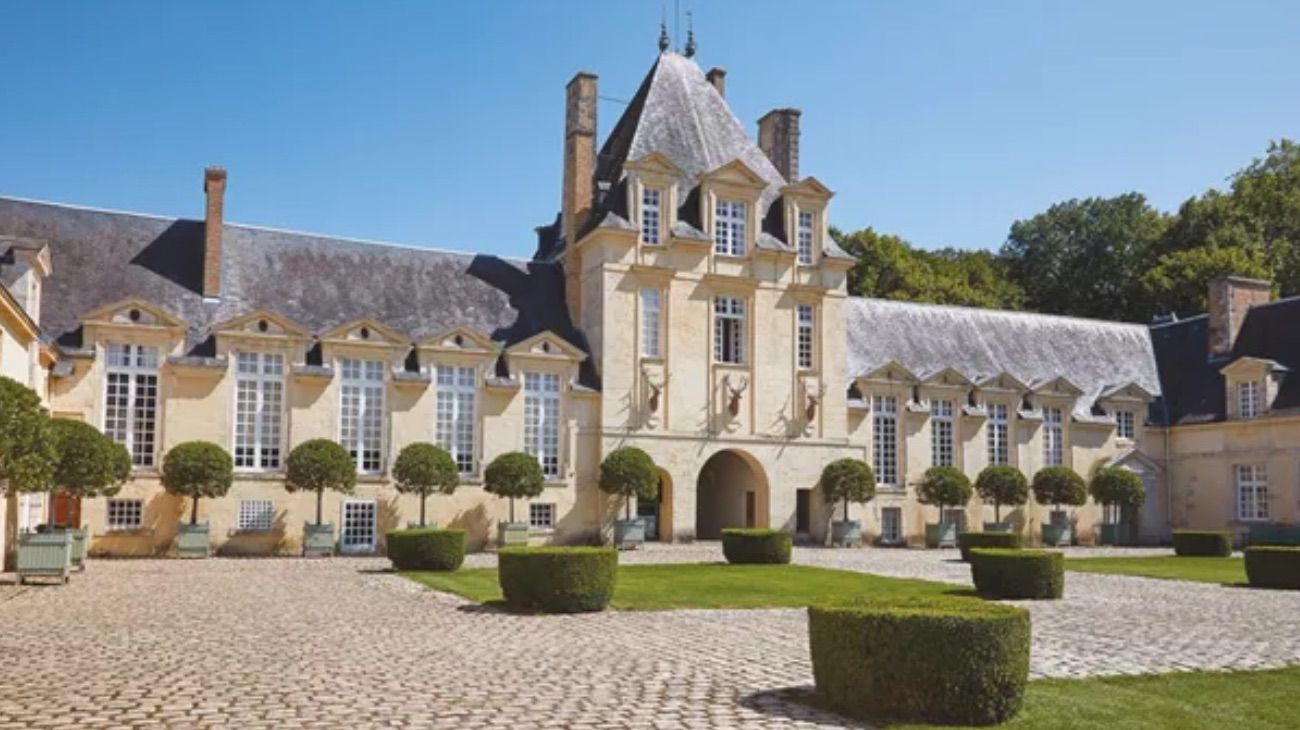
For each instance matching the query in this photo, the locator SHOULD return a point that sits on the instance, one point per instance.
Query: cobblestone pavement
(338, 643)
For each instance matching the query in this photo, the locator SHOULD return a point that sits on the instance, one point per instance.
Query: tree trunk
(422, 498)
(846, 510)
(194, 511)
(320, 497)
(627, 507)
(512, 509)
(997, 512)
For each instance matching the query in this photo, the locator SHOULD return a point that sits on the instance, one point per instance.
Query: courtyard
(345, 643)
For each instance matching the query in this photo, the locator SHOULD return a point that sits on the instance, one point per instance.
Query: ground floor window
(1252, 492)
(891, 524)
(541, 515)
(125, 514)
(31, 510)
(953, 516)
(256, 515)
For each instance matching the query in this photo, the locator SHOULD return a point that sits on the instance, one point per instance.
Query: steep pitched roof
(1090, 354)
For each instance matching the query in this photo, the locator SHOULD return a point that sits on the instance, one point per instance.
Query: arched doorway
(731, 491)
(658, 514)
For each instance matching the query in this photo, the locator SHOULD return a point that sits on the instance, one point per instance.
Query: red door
(65, 510)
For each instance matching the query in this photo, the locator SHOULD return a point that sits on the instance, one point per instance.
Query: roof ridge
(1005, 312)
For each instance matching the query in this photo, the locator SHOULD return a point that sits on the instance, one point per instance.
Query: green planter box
(628, 534)
(317, 540)
(192, 540)
(846, 533)
(80, 538)
(1056, 535)
(1119, 534)
(997, 527)
(939, 535)
(512, 534)
(45, 555)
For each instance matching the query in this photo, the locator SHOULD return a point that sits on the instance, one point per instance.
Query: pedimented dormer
(806, 228)
(365, 332)
(652, 197)
(544, 351)
(1251, 385)
(729, 208)
(261, 324)
(458, 346)
(134, 320)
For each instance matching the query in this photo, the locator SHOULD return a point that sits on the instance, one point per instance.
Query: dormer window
(804, 238)
(650, 215)
(1125, 425)
(729, 228)
(1249, 398)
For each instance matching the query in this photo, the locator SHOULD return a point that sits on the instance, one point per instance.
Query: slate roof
(1033, 348)
(319, 282)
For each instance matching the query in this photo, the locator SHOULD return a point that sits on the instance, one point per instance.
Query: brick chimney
(778, 137)
(718, 77)
(1231, 297)
(579, 153)
(214, 186)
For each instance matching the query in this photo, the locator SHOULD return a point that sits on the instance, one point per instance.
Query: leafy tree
(423, 468)
(89, 463)
(27, 455)
(122, 465)
(1059, 485)
(848, 480)
(944, 486)
(197, 469)
(1117, 486)
(1179, 282)
(1002, 484)
(514, 475)
(317, 465)
(629, 471)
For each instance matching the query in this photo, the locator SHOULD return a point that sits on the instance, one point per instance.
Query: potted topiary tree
(315, 466)
(27, 460)
(847, 480)
(513, 475)
(1117, 487)
(943, 486)
(89, 465)
(196, 469)
(629, 472)
(1059, 486)
(1001, 485)
(423, 469)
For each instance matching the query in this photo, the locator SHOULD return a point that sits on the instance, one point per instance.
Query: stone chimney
(718, 77)
(579, 153)
(214, 186)
(778, 137)
(1231, 297)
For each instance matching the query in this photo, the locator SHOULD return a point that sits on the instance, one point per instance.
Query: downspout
(1169, 492)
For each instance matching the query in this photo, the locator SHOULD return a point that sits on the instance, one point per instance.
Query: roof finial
(690, 35)
(663, 37)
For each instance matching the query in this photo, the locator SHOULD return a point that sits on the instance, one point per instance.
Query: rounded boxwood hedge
(756, 545)
(966, 541)
(1273, 567)
(1203, 543)
(424, 548)
(557, 579)
(938, 659)
(1018, 574)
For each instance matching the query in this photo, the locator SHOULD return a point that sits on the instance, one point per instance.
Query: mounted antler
(733, 400)
(813, 394)
(655, 389)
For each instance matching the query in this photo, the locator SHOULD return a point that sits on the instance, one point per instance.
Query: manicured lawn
(708, 585)
(1264, 699)
(1202, 570)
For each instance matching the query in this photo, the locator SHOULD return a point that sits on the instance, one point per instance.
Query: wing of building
(687, 299)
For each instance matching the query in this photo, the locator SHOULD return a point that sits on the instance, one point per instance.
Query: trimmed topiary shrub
(944, 486)
(1059, 485)
(1017, 574)
(848, 480)
(89, 464)
(970, 540)
(27, 454)
(1273, 567)
(557, 579)
(514, 475)
(747, 546)
(1002, 485)
(940, 659)
(317, 465)
(1203, 543)
(1116, 485)
(423, 469)
(629, 472)
(425, 548)
(193, 469)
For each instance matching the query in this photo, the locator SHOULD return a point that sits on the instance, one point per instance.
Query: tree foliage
(27, 455)
(890, 268)
(1001, 484)
(848, 480)
(629, 472)
(1059, 485)
(197, 469)
(423, 469)
(514, 475)
(89, 463)
(318, 465)
(944, 486)
(1118, 486)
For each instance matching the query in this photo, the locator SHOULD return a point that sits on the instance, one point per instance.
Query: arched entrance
(731, 492)
(658, 514)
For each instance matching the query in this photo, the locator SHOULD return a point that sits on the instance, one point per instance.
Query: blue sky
(440, 124)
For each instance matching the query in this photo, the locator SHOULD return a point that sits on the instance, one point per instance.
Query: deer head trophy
(734, 393)
(656, 388)
(813, 395)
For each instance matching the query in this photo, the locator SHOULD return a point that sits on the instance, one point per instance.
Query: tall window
(1252, 492)
(457, 391)
(941, 430)
(650, 217)
(259, 405)
(729, 330)
(884, 435)
(362, 425)
(1124, 425)
(650, 322)
(542, 420)
(804, 336)
(997, 434)
(1248, 398)
(804, 237)
(131, 400)
(891, 524)
(729, 228)
(1053, 437)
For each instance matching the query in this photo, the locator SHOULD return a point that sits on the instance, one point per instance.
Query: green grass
(708, 585)
(1186, 701)
(1201, 570)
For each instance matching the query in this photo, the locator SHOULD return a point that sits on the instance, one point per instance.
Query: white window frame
(456, 415)
(123, 514)
(804, 236)
(651, 322)
(729, 224)
(729, 330)
(1053, 437)
(1125, 425)
(805, 336)
(255, 515)
(262, 376)
(134, 423)
(1252, 492)
(942, 432)
(891, 525)
(1249, 398)
(884, 439)
(998, 429)
(361, 429)
(541, 515)
(651, 216)
(542, 420)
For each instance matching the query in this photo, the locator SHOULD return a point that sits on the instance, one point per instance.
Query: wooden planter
(318, 540)
(1056, 535)
(943, 534)
(846, 533)
(192, 540)
(510, 534)
(80, 538)
(629, 534)
(1115, 534)
(45, 555)
(997, 527)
